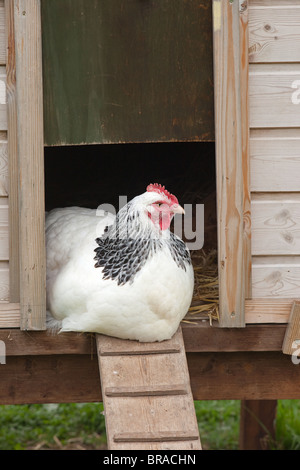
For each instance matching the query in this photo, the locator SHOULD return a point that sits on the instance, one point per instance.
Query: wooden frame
(27, 307)
(248, 363)
(230, 33)
(29, 86)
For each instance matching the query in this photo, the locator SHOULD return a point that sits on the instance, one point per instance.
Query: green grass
(81, 426)
(52, 426)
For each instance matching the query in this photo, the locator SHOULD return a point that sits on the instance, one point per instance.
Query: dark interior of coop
(90, 175)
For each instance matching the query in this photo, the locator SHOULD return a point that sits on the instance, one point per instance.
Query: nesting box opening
(90, 175)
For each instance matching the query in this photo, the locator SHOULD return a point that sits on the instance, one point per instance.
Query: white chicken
(141, 285)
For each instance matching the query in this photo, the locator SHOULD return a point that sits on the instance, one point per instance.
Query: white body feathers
(148, 307)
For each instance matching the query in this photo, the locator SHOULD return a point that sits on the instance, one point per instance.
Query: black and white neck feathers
(130, 241)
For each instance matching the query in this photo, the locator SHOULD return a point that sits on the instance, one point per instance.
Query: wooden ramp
(147, 396)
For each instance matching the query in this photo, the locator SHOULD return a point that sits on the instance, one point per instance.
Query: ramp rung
(155, 437)
(139, 348)
(146, 390)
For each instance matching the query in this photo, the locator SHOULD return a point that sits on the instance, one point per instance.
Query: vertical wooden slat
(27, 18)
(245, 131)
(14, 265)
(232, 148)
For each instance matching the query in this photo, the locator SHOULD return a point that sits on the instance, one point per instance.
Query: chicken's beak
(177, 209)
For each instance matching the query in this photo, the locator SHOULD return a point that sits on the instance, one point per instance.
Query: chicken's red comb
(158, 188)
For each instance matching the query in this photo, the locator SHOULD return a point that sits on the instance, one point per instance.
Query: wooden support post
(291, 340)
(230, 25)
(29, 87)
(257, 420)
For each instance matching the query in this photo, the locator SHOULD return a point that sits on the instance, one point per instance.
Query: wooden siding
(4, 171)
(274, 102)
(2, 34)
(274, 31)
(275, 160)
(276, 224)
(274, 90)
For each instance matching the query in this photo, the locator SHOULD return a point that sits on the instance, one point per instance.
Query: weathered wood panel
(12, 149)
(4, 284)
(274, 95)
(31, 163)
(274, 32)
(273, 3)
(127, 71)
(276, 224)
(2, 34)
(275, 159)
(198, 337)
(245, 138)
(9, 312)
(276, 277)
(3, 108)
(69, 378)
(230, 64)
(3, 165)
(50, 379)
(4, 243)
(267, 311)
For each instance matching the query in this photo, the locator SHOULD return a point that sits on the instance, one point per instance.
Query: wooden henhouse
(210, 88)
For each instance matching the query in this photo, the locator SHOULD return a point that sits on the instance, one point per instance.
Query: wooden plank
(4, 245)
(49, 379)
(214, 376)
(274, 95)
(4, 180)
(2, 34)
(273, 3)
(267, 310)
(4, 281)
(274, 159)
(197, 337)
(9, 315)
(291, 340)
(245, 139)
(242, 376)
(31, 163)
(149, 394)
(276, 224)
(117, 347)
(146, 371)
(3, 105)
(276, 277)
(257, 424)
(255, 337)
(274, 33)
(14, 258)
(229, 167)
(127, 84)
